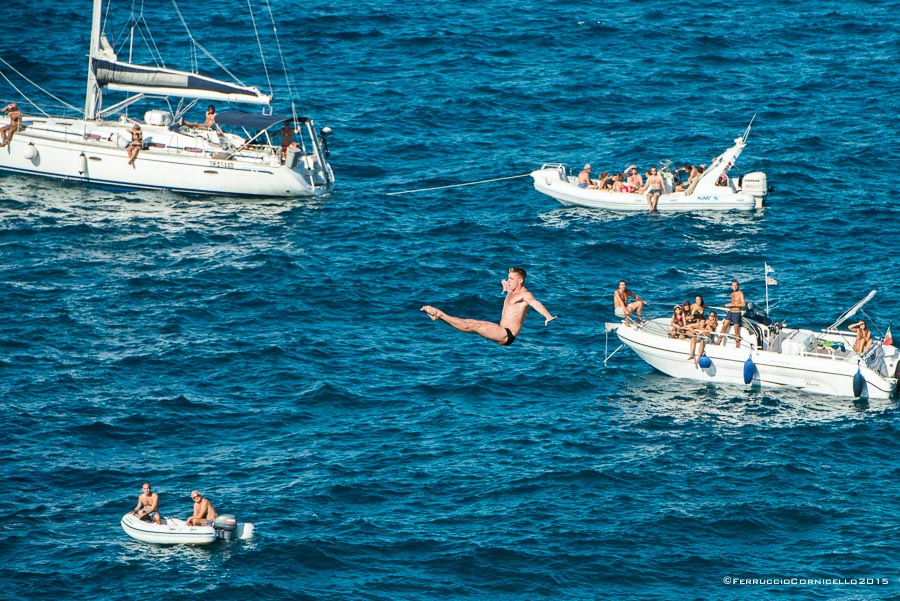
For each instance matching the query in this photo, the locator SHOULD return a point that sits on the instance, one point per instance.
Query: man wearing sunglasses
(204, 512)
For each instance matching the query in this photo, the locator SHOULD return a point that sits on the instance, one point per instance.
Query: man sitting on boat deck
(623, 308)
(15, 123)
(204, 512)
(584, 178)
(634, 178)
(655, 187)
(863, 337)
(147, 507)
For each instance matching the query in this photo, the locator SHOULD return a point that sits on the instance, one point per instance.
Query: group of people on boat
(690, 321)
(651, 184)
(147, 508)
(136, 145)
(631, 181)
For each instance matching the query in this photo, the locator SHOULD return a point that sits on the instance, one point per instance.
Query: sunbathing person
(15, 123)
(863, 337)
(208, 123)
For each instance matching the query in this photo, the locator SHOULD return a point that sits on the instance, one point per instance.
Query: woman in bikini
(136, 144)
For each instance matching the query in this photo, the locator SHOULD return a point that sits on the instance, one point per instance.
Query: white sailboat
(183, 158)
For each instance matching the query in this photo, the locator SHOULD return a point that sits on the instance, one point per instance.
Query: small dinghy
(174, 531)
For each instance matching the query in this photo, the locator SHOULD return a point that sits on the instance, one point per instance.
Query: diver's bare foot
(433, 313)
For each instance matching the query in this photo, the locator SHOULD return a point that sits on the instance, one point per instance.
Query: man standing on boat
(203, 510)
(515, 306)
(623, 308)
(733, 314)
(147, 507)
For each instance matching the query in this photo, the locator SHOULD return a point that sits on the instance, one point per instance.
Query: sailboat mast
(90, 101)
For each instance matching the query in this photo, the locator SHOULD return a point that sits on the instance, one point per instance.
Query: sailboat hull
(94, 153)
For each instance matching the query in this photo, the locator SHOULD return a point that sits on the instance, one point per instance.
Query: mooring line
(484, 181)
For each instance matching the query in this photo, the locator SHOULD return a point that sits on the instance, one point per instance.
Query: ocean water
(273, 355)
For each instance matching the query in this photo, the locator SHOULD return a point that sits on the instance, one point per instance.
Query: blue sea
(273, 355)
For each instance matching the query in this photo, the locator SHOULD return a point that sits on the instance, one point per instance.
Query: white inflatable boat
(174, 531)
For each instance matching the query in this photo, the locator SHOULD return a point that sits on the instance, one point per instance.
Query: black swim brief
(509, 338)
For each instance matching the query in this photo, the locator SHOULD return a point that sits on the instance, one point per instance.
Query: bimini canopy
(127, 77)
(253, 120)
(851, 311)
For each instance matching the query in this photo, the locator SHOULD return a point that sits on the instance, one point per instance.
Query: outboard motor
(225, 526)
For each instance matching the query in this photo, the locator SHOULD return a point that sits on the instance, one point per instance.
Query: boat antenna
(747, 131)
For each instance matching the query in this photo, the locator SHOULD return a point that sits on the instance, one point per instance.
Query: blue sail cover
(253, 120)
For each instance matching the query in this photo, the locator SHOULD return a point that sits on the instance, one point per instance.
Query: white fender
(31, 151)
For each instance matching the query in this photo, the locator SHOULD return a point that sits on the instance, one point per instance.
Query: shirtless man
(623, 308)
(147, 507)
(287, 137)
(863, 337)
(655, 187)
(691, 173)
(733, 315)
(203, 510)
(15, 123)
(515, 306)
(634, 178)
(584, 178)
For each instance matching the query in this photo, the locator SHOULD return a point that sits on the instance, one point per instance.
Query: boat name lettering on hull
(222, 164)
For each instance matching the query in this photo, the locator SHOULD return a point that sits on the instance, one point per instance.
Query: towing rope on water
(484, 181)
